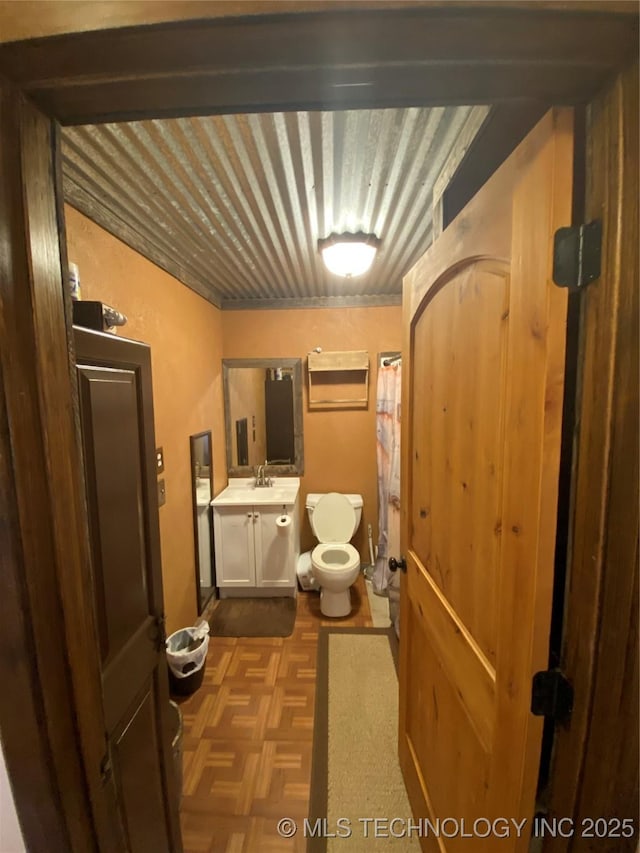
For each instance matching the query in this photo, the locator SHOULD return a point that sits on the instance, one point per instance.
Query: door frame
(594, 768)
(50, 718)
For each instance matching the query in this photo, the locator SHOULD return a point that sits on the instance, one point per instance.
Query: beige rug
(356, 777)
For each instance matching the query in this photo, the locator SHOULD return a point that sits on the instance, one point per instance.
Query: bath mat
(355, 771)
(253, 617)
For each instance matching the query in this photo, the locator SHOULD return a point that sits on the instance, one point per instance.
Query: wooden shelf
(339, 371)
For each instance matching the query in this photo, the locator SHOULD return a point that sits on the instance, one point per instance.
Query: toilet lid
(334, 518)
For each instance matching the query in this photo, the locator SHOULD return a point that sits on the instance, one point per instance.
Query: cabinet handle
(249, 515)
(256, 516)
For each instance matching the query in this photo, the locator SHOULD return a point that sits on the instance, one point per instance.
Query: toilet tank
(355, 501)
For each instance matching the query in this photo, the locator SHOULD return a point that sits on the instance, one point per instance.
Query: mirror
(202, 492)
(263, 415)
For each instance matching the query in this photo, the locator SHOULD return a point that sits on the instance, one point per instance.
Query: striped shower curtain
(388, 456)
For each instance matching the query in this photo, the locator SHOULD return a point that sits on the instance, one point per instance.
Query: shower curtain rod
(387, 361)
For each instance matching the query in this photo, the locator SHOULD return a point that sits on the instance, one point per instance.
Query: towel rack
(386, 359)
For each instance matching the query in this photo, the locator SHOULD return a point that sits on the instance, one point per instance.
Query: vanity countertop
(242, 491)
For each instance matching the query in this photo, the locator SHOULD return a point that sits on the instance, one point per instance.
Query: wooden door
(116, 408)
(484, 347)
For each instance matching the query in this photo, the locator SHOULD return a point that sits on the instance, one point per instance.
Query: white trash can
(186, 656)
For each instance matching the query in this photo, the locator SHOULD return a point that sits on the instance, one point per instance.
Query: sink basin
(244, 491)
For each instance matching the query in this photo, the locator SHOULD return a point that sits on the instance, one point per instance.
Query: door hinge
(106, 769)
(161, 632)
(577, 251)
(551, 695)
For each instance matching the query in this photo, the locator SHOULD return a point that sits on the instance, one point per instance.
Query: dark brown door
(116, 409)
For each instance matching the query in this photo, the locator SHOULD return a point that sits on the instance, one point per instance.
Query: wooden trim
(504, 129)
(476, 119)
(414, 782)
(79, 606)
(595, 769)
(49, 713)
(402, 56)
(40, 18)
(200, 605)
(50, 708)
(340, 361)
(373, 301)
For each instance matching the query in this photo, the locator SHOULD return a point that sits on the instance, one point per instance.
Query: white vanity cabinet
(254, 555)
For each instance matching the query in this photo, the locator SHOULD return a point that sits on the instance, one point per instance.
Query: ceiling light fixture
(348, 255)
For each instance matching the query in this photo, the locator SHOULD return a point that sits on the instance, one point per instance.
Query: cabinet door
(274, 550)
(235, 552)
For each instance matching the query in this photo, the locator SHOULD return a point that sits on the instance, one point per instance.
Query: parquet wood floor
(248, 734)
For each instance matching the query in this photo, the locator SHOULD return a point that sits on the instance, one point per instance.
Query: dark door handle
(394, 564)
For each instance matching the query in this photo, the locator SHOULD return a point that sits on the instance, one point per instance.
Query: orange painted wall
(339, 446)
(188, 339)
(185, 335)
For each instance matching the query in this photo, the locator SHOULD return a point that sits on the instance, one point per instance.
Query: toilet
(335, 563)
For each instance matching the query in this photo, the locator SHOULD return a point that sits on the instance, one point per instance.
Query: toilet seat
(334, 518)
(343, 559)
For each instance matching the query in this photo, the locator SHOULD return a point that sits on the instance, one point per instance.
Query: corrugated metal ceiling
(234, 205)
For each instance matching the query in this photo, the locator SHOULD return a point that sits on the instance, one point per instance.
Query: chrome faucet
(261, 479)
